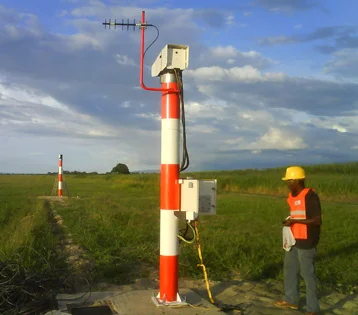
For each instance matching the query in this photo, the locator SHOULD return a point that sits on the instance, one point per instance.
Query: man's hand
(288, 222)
(312, 221)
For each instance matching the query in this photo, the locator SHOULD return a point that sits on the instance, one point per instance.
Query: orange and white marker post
(59, 194)
(169, 189)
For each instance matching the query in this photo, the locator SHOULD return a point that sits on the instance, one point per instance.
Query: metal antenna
(127, 24)
(142, 26)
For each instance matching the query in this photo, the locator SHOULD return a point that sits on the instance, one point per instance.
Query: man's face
(293, 185)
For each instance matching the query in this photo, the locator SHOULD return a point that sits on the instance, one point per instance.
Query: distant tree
(120, 168)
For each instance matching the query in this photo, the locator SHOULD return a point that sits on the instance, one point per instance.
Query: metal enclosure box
(197, 197)
(171, 57)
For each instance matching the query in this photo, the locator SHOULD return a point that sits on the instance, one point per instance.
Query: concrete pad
(139, 302)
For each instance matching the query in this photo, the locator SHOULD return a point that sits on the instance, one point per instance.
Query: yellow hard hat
(294, 172)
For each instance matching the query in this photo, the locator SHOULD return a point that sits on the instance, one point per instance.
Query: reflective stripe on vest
(298, 211)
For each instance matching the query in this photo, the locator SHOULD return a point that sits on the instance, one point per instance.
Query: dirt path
(79, 266)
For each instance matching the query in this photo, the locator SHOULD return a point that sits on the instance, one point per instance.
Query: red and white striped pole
(169, 189)
(60, 175)
(169, 177)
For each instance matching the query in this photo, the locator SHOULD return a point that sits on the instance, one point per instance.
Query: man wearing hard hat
(304, 222)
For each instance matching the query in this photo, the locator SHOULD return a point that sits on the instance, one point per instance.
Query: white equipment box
(197, 197)
(171, 57)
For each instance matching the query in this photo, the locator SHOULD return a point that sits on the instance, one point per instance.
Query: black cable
(185, 161)
(185, 232)
(185, 158)
(184, 235)
(155, 39)
(141, 25)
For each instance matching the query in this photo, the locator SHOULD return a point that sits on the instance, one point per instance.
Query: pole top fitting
(168, 77)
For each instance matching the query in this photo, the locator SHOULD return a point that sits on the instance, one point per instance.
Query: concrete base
(179, 302)
(138, 302)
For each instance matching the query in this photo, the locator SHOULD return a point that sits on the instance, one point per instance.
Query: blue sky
(270, 83)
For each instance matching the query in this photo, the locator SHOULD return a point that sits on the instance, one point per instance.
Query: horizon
(184, 172)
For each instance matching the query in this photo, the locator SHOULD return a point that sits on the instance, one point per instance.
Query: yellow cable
(202, 263)
(188, 241)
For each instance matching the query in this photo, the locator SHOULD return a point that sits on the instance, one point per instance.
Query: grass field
(116, 219)
(28, 256)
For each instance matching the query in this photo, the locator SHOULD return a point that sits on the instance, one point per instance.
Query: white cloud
(92, 9)
(230, 19)
(156, 117)
(232, 52)
(235, 141)
(19, 95)
(341, 124)
(12, 31)
(208, 109)
(277, 40)
(80, 41)
(339, 128)
(125, 60)
(257, 116)
(286, 6)
(224, 51)
(23, 107)
(273, 138)
(344, 63)
(279, 139)
(238, 74)
(202, 128)
(234, 56)
(125, 104)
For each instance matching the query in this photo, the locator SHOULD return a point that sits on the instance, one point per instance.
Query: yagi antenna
(127, 24)
(142, 25)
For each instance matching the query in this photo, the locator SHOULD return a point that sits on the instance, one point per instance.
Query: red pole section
(169, 189)
(141, 61)
(60, 175)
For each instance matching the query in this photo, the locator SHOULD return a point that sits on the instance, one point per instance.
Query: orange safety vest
(298, 211)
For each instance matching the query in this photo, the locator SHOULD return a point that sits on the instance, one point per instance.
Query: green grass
(23, 219)
(336, 182)
(117, 221)
(28, 257)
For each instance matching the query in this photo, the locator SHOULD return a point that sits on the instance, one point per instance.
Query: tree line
(120, 168)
